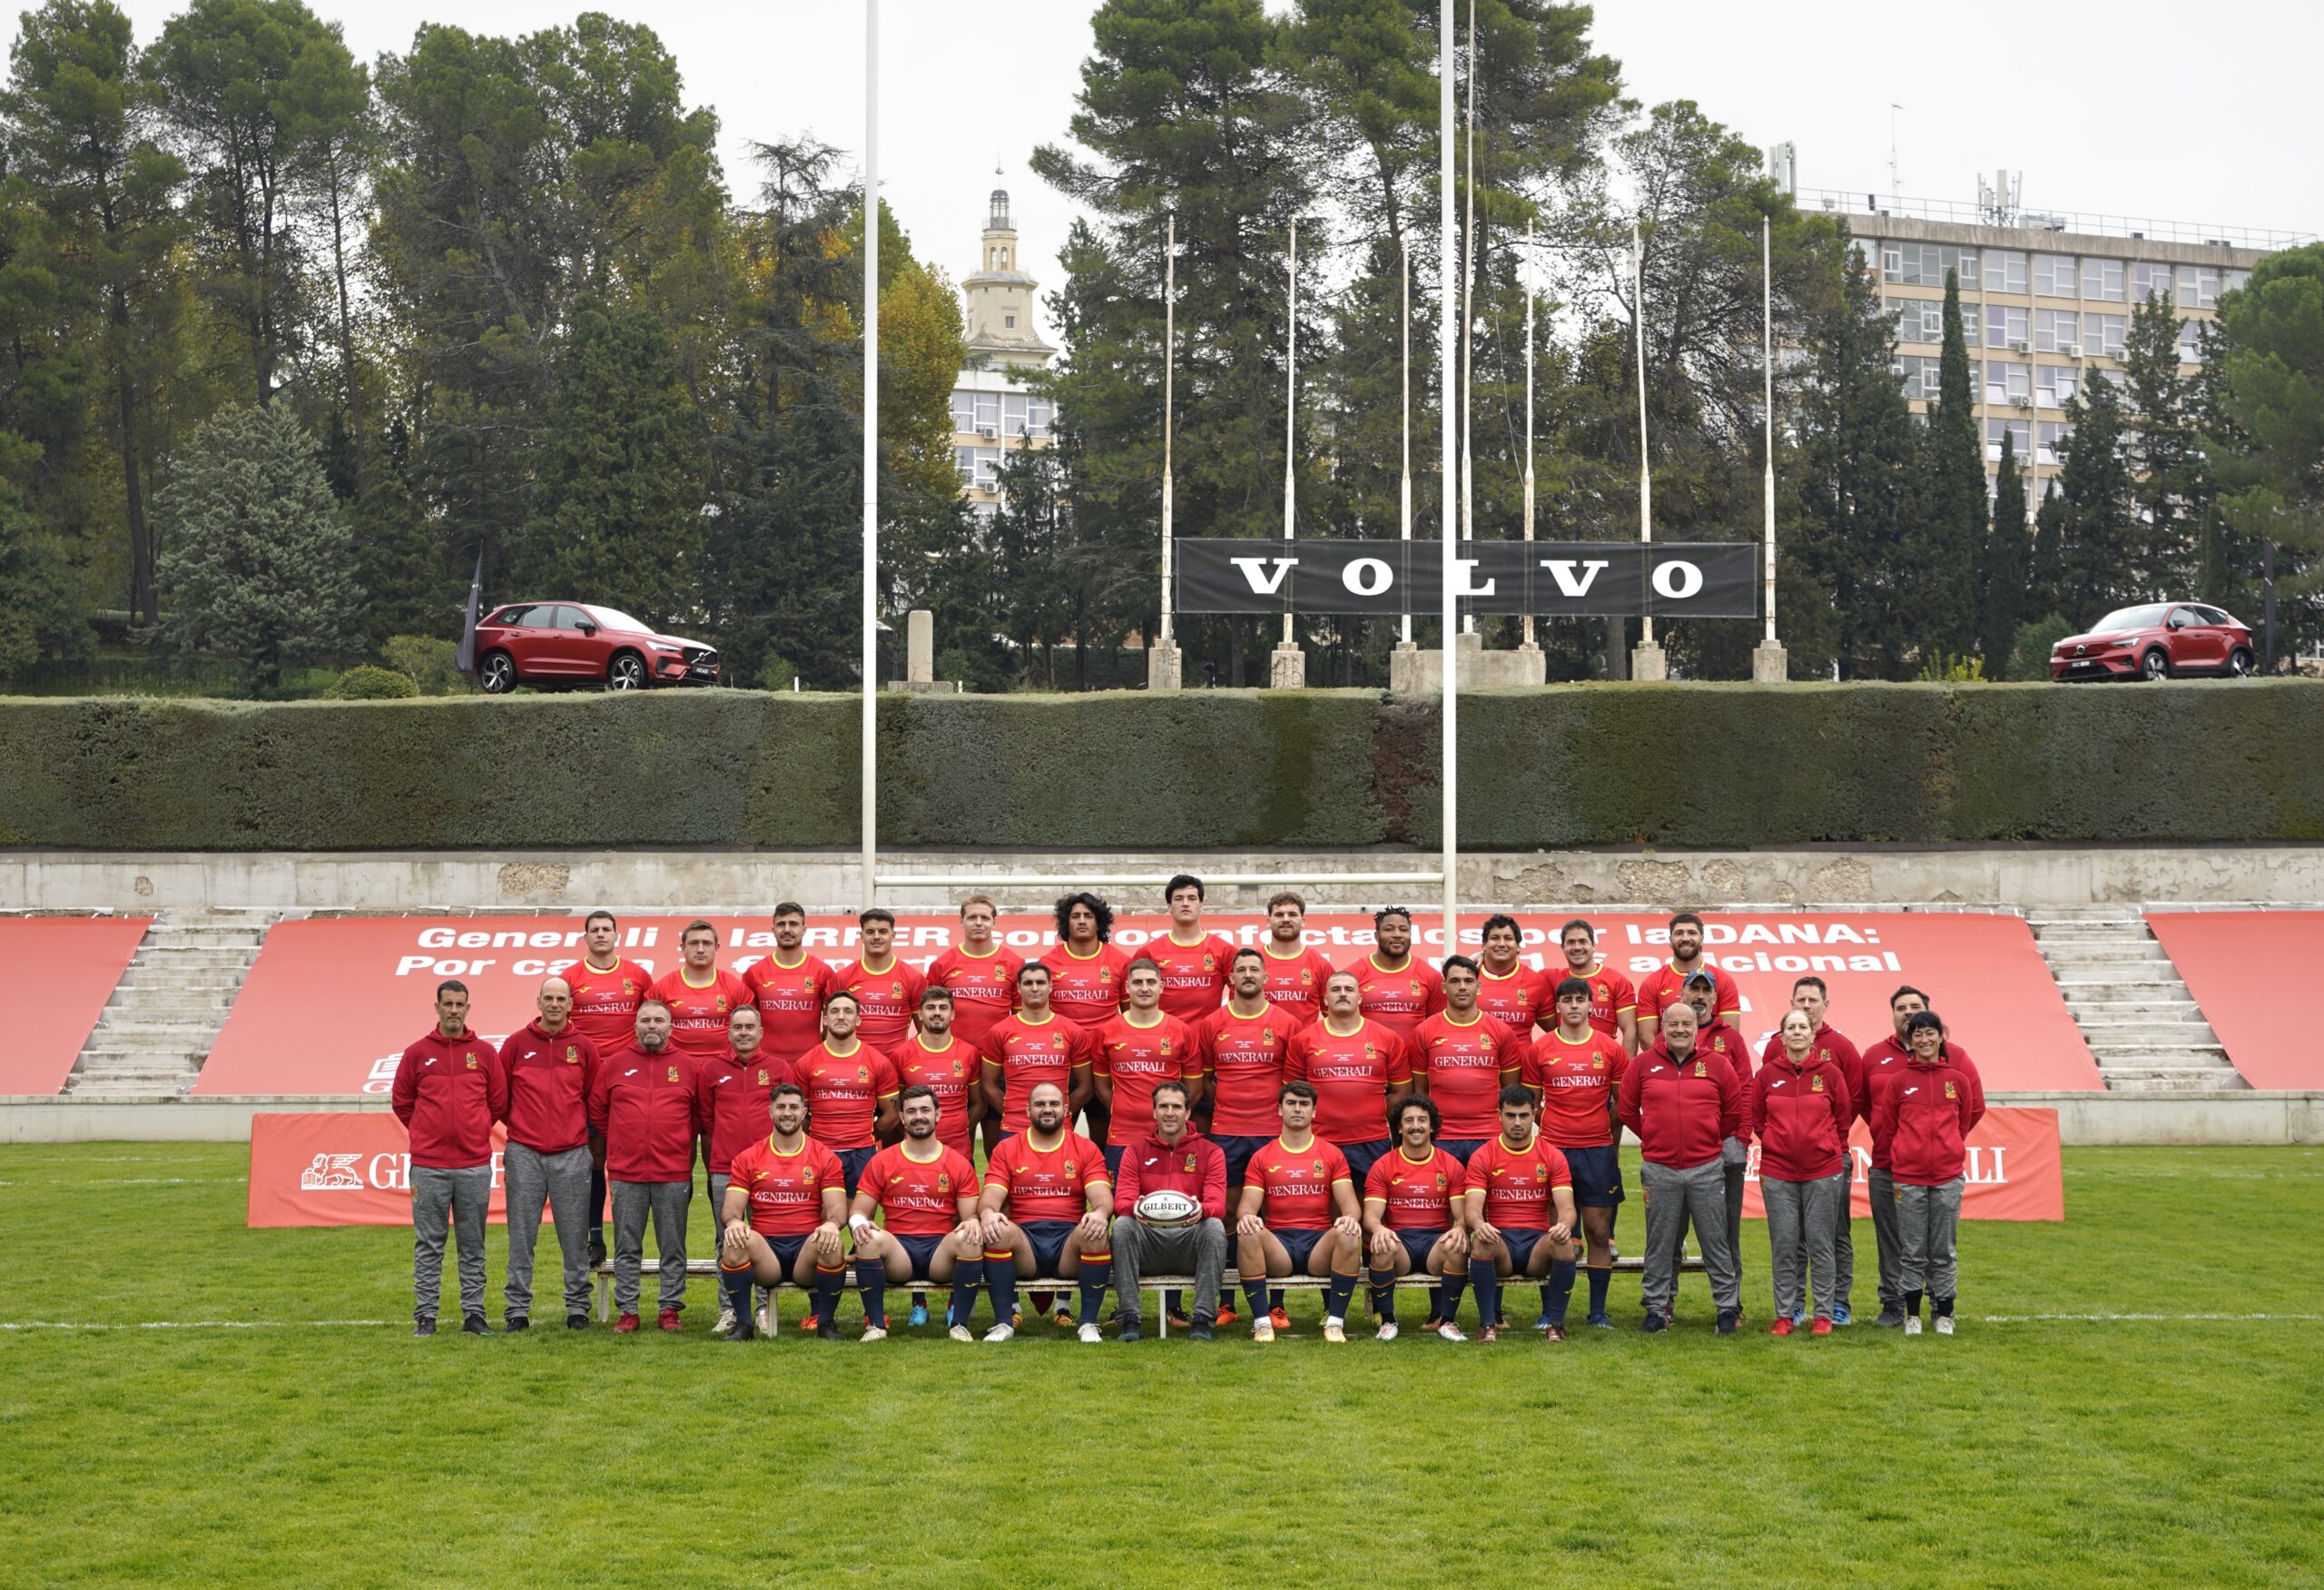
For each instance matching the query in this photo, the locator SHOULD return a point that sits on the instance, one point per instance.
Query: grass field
(2136, 1397)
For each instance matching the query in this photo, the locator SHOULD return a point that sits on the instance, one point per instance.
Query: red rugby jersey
(1028, 1054)
(951, 1070)
(984, 987)
(698, 1013)
(1085, 990)
(1579, 1083)
(791, 1003)
(1464, 1065)
(1664, 986)
(1517, 1182)
(1350, 1076)
(1518, 1000)
(1295, 984)
(1415, 1195)
(1194, 977)
(844, 1091)
(605, 1003)
(731, 1096)
(1136, 1059)
(1298, 1183)
(1047, 1184)
(1398, 1001)
(1244, 1055)
(786, 1190)
(919, 1198)
(1611, 993)
(889, 999)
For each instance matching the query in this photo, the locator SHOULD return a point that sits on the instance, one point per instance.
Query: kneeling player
(1310, 1223)
(1047, 1211)
(786, 1203)
(1410, 1223)
(927, 1191)
(1512, 1182)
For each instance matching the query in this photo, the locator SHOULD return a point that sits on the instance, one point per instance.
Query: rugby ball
(1168, 1208)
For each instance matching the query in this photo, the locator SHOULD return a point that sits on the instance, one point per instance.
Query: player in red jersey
(981, 973)
(886, 990)
(731, 1092)
(1295, 974)
(1358, 1068)
(606, 986)
(1513, 1185)
(701, 994)
(1390, 987)
(1035, 1044)
(1086, 969)
(789, 986)
(1575, 1070)
(852, 1088)
(1194, 962)
(1509, 991)
(1413, 1219)
(1133, 1052)
(1049, 1210)
(785, 1206)
(1300, 1215)
(1463, 1058)
(938, 1058)
(1613, 1001)
(1243, 1042)
(1665, 985)
(928, 1193)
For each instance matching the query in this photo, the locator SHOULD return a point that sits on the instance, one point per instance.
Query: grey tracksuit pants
(1882, 1185)
(562, 1182)
(1843, 1240)
(1696, 1193)
(668, 1201)
(1927, 1218)
(1731, 1175)
(1799, 1233)
(447, 1202)
(1198, 1250)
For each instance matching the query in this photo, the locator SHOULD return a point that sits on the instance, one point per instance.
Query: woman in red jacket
(1925, 1117)
(1798, 1108)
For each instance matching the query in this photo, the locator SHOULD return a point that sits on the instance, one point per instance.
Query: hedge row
(1699, 765)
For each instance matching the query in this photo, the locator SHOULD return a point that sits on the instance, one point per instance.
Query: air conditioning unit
(2072, 350)
(986, 431)
(2018, 348)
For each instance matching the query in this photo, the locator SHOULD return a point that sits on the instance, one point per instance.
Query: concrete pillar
(1288, 668)
(1406, 676)
(1768, 664)
(920, 646)
(1532, 667)
(1648, 663)
(1162, 666)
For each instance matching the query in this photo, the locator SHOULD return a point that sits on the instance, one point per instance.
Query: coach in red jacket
(1171, 1159)
(550, 1068)
(1924, 1116)
(646, 1104)
(1683, 1102)
(1799, 1108)
(447, 1092)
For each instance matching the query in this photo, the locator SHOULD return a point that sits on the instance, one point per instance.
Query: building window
(2150, 282)
(2054, 385)
(2021, 430)
(2005, 271)
(2197, 287)
(987, 414)
(978, 468)
(1012, 414)
(2055, 332)
(2053, 275)
(2006, 382)
(1009, 322)
(964, 410)
(1040, 417)
(2006, 327)
(1919, 373)
(1004, 259)
(2103, 279)
(1924, 264)
(2101, 336)
(2235, 281)
(2052, 434)
(2190, 341)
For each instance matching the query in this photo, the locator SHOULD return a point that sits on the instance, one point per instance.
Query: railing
(2086, 223)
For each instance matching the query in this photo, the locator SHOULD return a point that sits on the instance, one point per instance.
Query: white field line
(2137, 1318)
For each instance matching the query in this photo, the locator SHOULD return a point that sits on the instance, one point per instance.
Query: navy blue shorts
(1417, 1244)
(1461, 1147)
(1048, 1238)
(1299, 1245)
(1238, 1151)
(921, 1249)
(1362, 1157)
(787, 1249)
(1597, 1175)
(1521, 1246)
(851, 1162)
(1113, 1157)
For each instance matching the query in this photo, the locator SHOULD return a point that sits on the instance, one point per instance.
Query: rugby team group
(1354, 1125)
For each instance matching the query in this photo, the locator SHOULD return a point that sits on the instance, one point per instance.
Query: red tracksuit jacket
(447, 1092)
(1925, 1116)
(549, 1077)
(1681, 1110)
(1800, 1114)
(1193, 1165)
(1884, 1062)
(645, 1106)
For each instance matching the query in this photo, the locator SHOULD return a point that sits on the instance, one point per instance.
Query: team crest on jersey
(1068, 1167)
(628, 986)
(1597, 1063)
(1190, 1159)
(1367, 1051)
(1440, 1181)
(1815, 1084)
(896, 989)
(1415, 986)
(470, 1057)
(1702, 1069)
(763, 1081)
(1209, 961)
(572, 1054)
(673, 1074)
(862, 1073)
(956, 1070)
(1541, 1173)
(1319, 1167)
(1105, 973)
(719, 1004)
(943, 1182)
(1305, 975)
(1948, 1091)
(1166, 1046)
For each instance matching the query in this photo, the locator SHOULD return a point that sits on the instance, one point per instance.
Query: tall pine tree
(1952, 499)
(2001, 575)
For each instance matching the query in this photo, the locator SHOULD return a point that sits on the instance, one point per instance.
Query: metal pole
(1468, 324)
(1446, 252)
(1290, 409)
(1170, 345)
(1404, 254)
(1767, 322)
(1527, 637)
(1645, 476)
(870, 730)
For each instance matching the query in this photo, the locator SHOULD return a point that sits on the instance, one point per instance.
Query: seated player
(1513, 1183)
(1411, 1215)
(1575, 1070)
(1048, 1210)
(1299, 1215)
(928, 1191)
(786, 1204)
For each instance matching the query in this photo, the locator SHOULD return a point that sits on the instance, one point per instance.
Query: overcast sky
(2186, 112)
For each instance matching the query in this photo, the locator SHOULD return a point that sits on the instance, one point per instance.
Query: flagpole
(1290, 409)
(1448, 542)
(1404, 255)
(1468, 323)
(870, 718)
(1527, 637)
(1169, 342)
(1645, 476)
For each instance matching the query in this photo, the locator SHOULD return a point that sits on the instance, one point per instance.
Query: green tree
(2273, 393)
(2100, 536)
(258, 569)
(2173, 491)
(1953, 497)
(2046, 570)
(2001, 573)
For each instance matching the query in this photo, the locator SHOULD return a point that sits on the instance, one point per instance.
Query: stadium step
(2144, 1028)
(164, 1013)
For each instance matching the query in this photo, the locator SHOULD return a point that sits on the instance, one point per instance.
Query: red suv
(2153, 642)
(569, 643)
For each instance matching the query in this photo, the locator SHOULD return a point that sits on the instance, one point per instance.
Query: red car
(2155, 641)
(570, 643)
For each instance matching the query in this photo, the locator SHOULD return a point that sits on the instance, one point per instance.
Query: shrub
(366, 683)
(2029, 654)
(432, 665)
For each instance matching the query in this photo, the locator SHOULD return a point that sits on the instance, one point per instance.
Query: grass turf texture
(2025, 1451)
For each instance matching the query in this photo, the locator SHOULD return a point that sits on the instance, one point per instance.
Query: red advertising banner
(348, 1168)
(2240, 965)
(66, 967)
(2014, 1172)
(332, 1003)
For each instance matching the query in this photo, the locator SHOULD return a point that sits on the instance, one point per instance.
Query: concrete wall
(2029, 878)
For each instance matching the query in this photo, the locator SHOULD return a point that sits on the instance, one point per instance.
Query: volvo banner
(1549, 579)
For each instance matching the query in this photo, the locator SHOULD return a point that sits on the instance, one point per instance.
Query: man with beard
(927, 1192)
(785, 1206)
(644, 1107)
(731, 1092)
(1047, 1209)
(789, 987)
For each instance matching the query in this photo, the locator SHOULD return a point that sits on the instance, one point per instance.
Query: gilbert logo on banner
(2013, 1171)
(344, 1169)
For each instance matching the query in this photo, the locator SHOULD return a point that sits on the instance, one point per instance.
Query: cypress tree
(2002, 578)
(1955, 497)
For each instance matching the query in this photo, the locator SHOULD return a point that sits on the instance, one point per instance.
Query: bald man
(549, 1067)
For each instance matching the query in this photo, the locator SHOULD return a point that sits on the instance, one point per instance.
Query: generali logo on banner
(2013, 1171)
(341, 1169)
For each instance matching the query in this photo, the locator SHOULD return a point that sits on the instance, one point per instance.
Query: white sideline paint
(2137, 1318)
